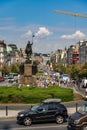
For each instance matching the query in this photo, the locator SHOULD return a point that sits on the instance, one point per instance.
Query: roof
(13, 46)
(52, 100)
(8, 48)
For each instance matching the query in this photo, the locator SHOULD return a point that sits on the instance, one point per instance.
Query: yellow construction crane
(70, 13)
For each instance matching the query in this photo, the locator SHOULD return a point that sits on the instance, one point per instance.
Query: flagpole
(32, 51)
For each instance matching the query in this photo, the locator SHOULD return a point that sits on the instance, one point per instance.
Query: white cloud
(44, 41)
(43, 31)
(77, 34)
(27, 34)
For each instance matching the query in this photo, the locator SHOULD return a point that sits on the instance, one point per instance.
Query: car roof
(51, 100)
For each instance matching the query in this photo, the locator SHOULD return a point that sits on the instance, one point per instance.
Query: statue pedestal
(28, 69)
(28, 78)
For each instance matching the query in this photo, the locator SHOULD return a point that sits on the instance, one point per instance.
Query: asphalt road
(11, 124)
(6, 83)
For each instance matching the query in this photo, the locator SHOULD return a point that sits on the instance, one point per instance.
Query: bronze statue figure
(28, 51)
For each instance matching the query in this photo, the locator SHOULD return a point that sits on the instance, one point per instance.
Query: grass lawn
(34, 94)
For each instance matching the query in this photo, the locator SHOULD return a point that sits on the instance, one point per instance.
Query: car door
(51, 111)
(41, 113)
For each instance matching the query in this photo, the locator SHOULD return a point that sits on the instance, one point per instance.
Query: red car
(1, 78)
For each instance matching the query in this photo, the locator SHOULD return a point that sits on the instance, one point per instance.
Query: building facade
(83, 52)
(2, 52)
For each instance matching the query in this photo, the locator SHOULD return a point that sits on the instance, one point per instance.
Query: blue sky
(20, 19)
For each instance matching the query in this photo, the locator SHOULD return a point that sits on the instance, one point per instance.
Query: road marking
(38, 127)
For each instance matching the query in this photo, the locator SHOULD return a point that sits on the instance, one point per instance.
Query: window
(52, 107)
(43, 107)
(60, 106)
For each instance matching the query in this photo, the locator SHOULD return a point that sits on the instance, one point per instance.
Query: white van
(84, 83)
(65, 77)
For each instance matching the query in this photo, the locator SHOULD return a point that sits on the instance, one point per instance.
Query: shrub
(34, 94)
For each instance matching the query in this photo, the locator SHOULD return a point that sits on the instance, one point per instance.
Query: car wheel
(59, 119)
(84, 127)
(27, 121)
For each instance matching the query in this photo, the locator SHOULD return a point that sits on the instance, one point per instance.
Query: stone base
(27, 80)
(28, 69)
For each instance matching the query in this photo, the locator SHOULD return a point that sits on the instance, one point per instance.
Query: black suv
(48, 110)
(78, 120)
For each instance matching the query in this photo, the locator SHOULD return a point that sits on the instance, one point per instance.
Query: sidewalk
(13, 113)
(9, 114)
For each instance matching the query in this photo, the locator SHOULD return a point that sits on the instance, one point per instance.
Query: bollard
(76, 107)
(86, 94)
(6, 110)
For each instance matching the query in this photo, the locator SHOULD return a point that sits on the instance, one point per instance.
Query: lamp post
(33, 37)
(32, 52)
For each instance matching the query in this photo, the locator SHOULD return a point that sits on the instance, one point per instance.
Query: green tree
(83, 71)
(15, 68)
(5, 69)
(48, 62)
(36, 62)
(59, 68)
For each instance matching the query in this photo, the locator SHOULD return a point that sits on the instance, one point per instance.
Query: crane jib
(70, 13)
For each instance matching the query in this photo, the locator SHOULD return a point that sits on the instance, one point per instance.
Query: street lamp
(32, 51)
(33, 37)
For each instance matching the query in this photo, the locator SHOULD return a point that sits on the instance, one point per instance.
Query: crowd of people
(52, 78)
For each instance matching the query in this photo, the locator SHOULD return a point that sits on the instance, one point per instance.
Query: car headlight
(21, 115)
(76, 121)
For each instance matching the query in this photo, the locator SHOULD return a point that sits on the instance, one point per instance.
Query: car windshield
(35, 107)
(40, 107)
(65, 75)
(83, 109)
